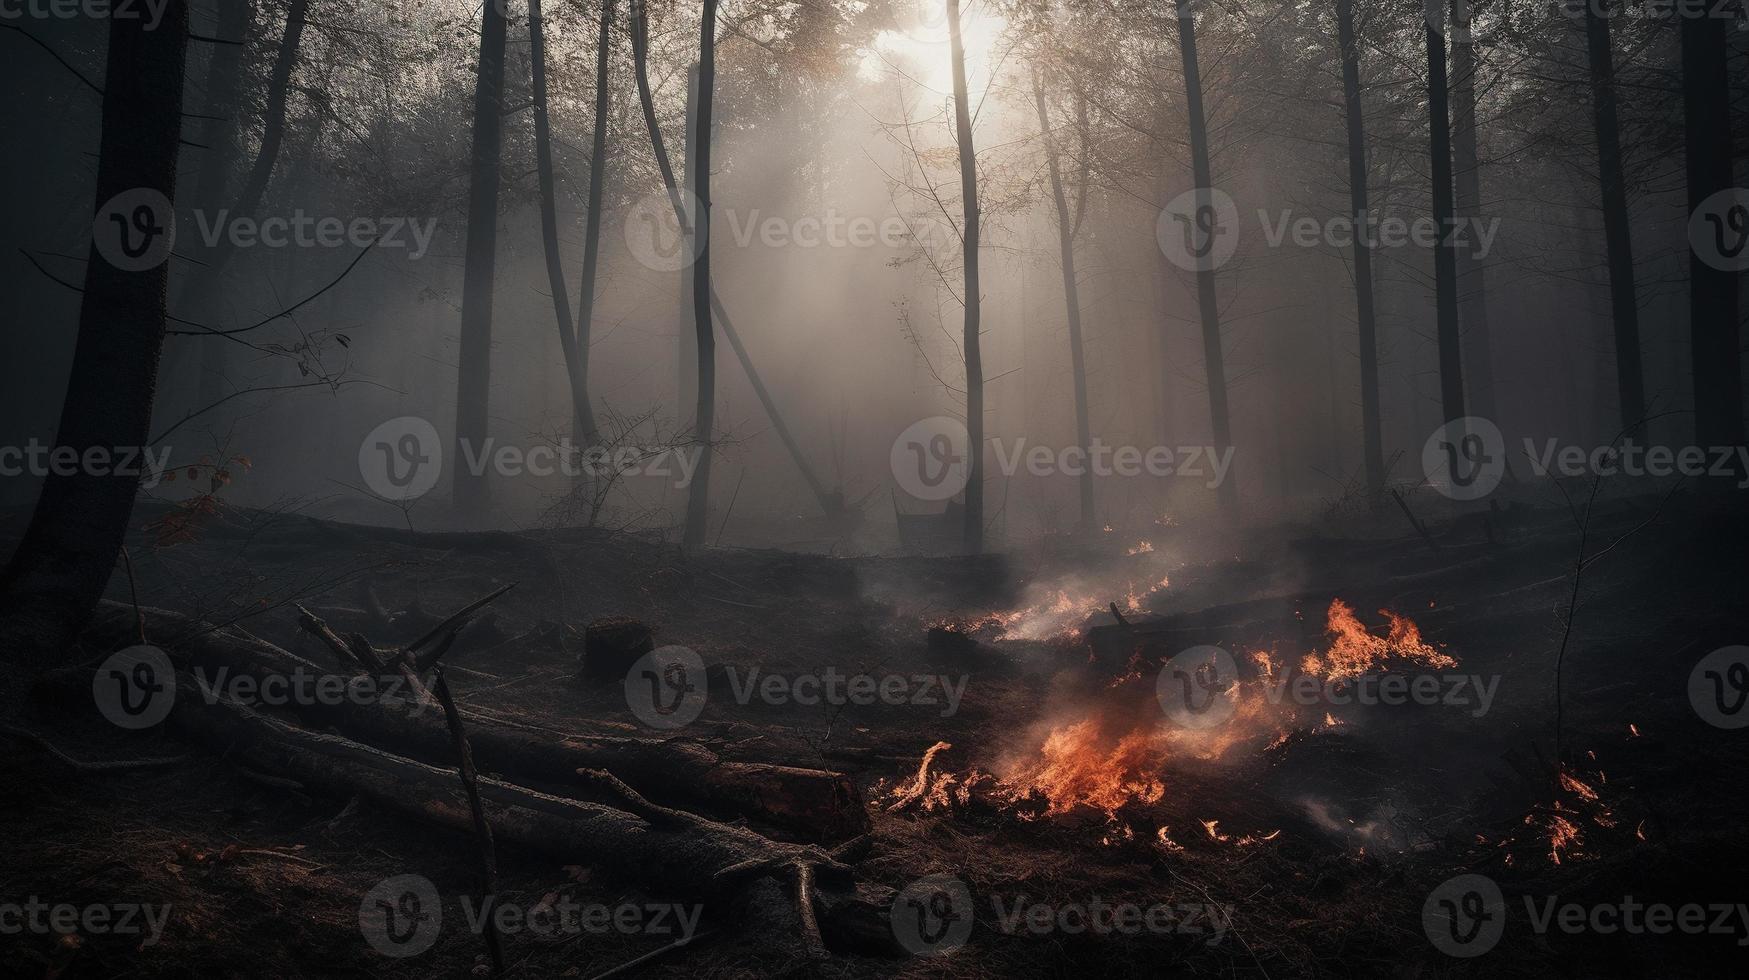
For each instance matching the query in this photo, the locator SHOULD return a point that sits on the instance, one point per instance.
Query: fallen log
(814, 803)
(733, 869)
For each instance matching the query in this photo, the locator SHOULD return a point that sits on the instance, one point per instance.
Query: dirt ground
(1329, 838)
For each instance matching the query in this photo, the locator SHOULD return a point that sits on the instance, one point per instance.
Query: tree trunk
(1214, 358)
(1071, 298)
(1451, 371)
(1712, 291)
(205, 285)
(592, 228)
(698, 497)
(1617, 233)
(962, 115)
(220, 134)
(576, 366)
(1371, 438)
(62, 564)
(686, 332)
(475, 357)
(830, 502)
(1471, 276)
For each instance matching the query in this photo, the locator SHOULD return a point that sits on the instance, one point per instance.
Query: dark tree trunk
(68, 551)
(1617, 234)
(1471, 276)
(962, 115)
(1214, 358)
(686, 334)
(576, 366)
(1066, 228)
(1372, 440)
(220, 133)
(1451, 371)
(205, 285)
(830, 502)
(1712, 292)
(475, 361)
(698, 497)
(592, 228)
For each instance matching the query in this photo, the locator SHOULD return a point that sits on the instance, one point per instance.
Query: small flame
(1355, 651)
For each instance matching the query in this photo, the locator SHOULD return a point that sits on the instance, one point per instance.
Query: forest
(874, 488)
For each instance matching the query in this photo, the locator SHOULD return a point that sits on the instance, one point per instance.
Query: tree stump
(612, 645)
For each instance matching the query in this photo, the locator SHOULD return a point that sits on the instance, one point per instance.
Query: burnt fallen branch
(816, 803)
(733, 869)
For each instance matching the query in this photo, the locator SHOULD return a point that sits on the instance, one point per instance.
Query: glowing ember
(1146, 547)
(1355, 651)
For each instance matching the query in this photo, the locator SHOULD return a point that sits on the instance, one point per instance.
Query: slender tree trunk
(582, 417)
(686, 332)
(1712, 292)
(68, 551)
(1451, 371)
(831, 502)
(1371, 439)
(698, 499)
(592, 228)
(1071, 298)
(475, 361)
(1214, 358)
(962, 116)
(220, 132)
(1471, 276)
(204, 287)
(1617, 233)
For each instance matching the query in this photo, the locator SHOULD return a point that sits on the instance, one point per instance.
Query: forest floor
(1331, 834)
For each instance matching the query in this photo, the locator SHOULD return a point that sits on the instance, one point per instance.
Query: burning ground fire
(1108, 765)
(1057, 613)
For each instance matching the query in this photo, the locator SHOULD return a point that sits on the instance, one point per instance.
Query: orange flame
(1355, 651)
